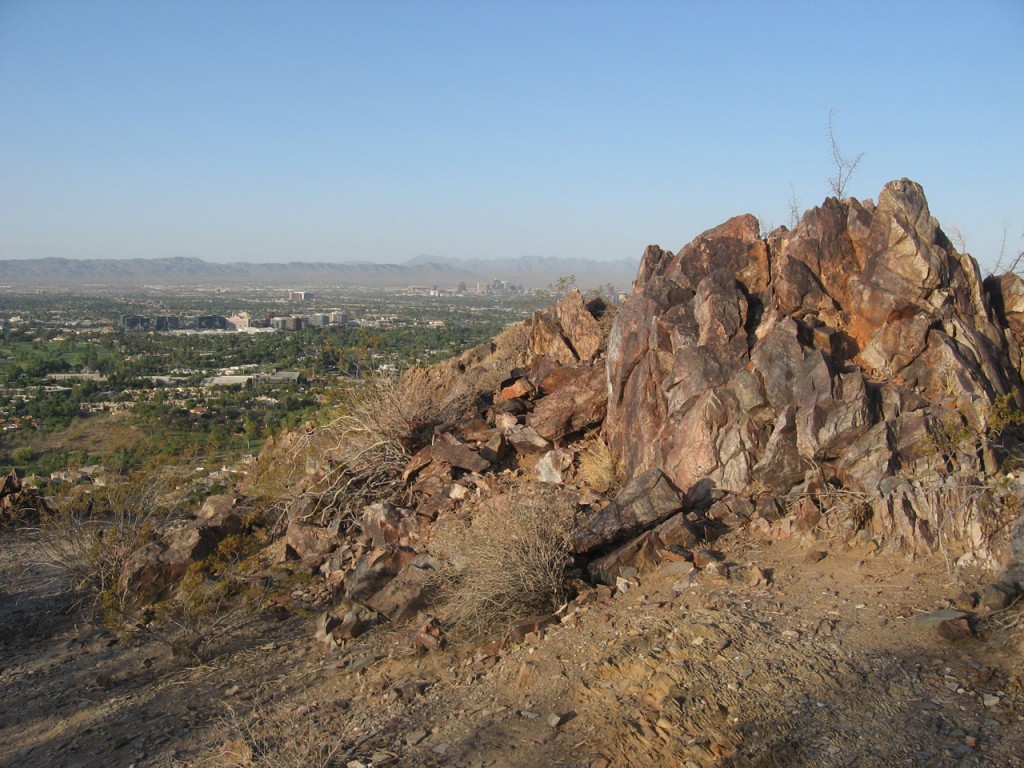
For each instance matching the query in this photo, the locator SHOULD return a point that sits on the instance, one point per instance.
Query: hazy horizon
(347, 132)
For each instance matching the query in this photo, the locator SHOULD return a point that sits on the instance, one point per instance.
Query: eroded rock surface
(858, 352)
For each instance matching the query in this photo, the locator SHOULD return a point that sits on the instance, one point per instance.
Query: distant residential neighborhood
(215, 368)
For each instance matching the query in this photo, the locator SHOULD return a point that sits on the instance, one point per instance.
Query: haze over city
(337, 131)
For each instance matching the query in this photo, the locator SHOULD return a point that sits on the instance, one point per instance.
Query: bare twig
(794, 207)
(844, 167)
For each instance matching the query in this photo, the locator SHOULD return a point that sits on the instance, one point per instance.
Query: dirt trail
(786, 663)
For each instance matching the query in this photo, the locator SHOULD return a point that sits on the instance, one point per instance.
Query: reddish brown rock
(553, 466)
(668, 541)
(519, 388)
(640, 553)
(216, 506)
(556, 377)
(346, 622)
(420, 459)
(579, 327)
(867, 333)
(526, 440)
(495, 449)
(374, 570)
(532, 625)
(407, 593)
(1007, 295)
(572, 408)
(644, 502)
(429, 636)
(434, 480)
(385, 523)
(304, 540)
(505, 421)
(156, 568)
(475, 430)
(955, 629)
(459, 455)
(546, 340)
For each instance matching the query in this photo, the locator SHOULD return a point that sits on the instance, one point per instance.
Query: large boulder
(567, 333)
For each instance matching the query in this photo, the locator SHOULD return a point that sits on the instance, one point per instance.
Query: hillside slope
(768, 512)
(821, 665)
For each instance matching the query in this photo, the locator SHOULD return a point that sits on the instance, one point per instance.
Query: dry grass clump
(510, 562)
(94, 531)
(597, 465)
(369, 436)
(269, 737)
(356, 455)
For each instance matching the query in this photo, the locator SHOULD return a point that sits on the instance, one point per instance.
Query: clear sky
(382, 130)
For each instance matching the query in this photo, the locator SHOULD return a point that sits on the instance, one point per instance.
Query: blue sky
(375, 130)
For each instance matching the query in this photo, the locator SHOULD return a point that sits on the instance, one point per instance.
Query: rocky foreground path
(782, 656)
(72, 694)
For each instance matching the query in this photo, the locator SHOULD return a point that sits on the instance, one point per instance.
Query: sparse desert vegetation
(732, 526)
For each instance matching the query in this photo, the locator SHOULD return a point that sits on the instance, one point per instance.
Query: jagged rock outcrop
(857, 352)
(569, 331)
(850, 377)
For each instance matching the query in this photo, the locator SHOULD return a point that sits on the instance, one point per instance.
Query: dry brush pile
(508, 561)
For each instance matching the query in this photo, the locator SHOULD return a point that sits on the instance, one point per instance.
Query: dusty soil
(786, 662)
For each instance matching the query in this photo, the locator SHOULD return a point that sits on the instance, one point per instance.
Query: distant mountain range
(528, 271)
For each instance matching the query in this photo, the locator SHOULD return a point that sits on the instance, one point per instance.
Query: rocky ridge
(850, 379)
(850, 386)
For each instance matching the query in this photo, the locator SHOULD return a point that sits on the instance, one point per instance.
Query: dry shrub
(597, 465)
(93, 532)
(510, 562)
(269, 737)
(370, 435)
(217, 597)
(356, 454)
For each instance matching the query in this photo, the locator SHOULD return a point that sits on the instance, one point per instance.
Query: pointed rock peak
(903, 194)
(745, 227)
